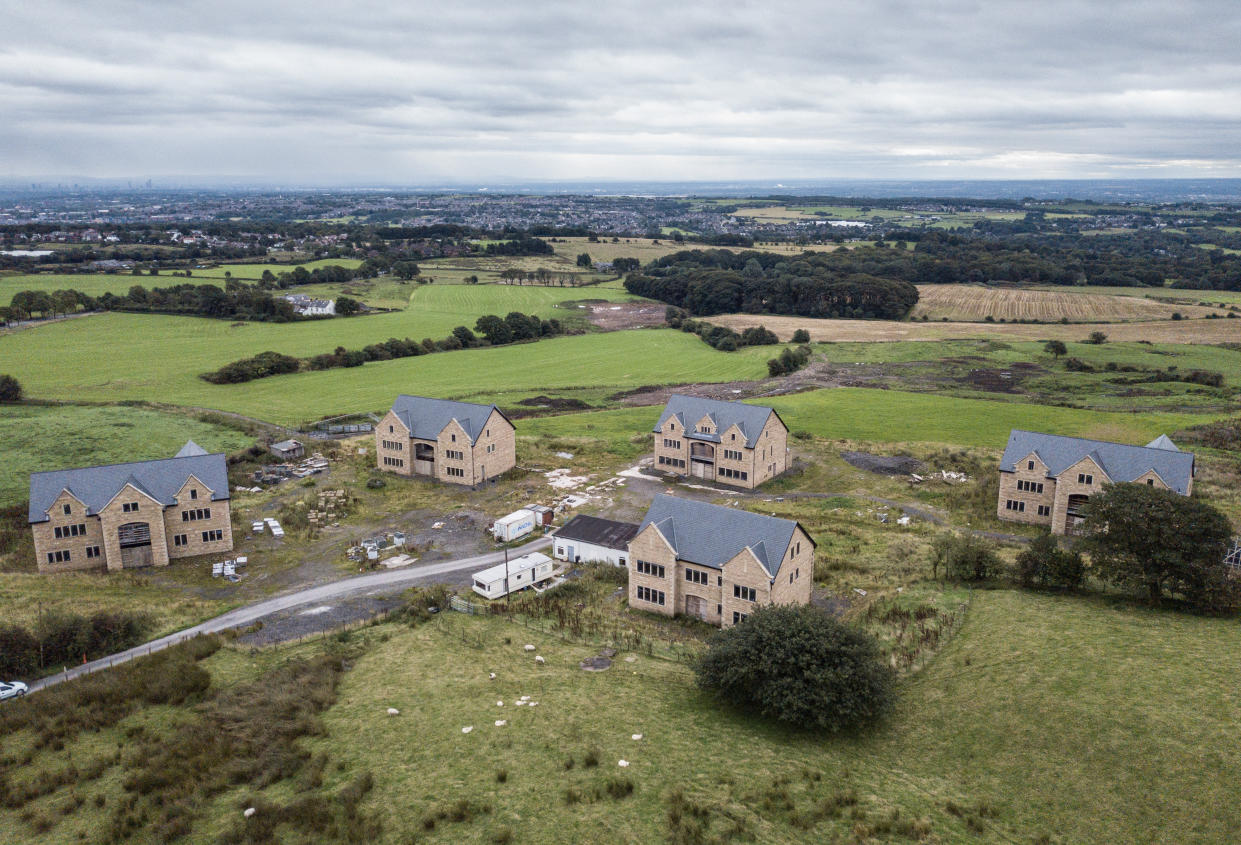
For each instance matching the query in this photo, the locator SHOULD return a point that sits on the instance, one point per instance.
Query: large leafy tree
(1161, 542)
(801, 666)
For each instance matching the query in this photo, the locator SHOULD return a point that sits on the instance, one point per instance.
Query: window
(732, 437)
(395, 445)
(672, 426)
(719, 580)
(129, 507)
(671, 462)
(1150, 482)
(725, 472)
(195, 514)
(697, 576)
(645, 567)
(193, 493)
(719, 608)
(68, 510)
(1014, 505)
(92, 552)
(391, 429)
(1044, 510)
(58, 557)
(455, 472)
(744, 593)
(213, 536)
(653, 596)
(454, 455)
(78, 530)
(486, 432)
(393, 462)
(1029, 464)
(738, 618)
(1083, 478)
(671, 444)
(181, 540)
(454, 437)
(1030, 486)
(491, 447)
(732, 455)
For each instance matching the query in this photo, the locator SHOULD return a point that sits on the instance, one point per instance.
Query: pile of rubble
(276, 473)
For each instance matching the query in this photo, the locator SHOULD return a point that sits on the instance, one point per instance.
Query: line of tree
(61, 638)
(489, 330)
(719, 337)
(521, 245)
(706, 282)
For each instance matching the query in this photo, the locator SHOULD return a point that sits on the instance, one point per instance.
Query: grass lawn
(86, 362)
(39, 438)
(892, 416)
(1057, 716)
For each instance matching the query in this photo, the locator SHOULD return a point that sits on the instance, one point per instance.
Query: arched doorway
(1074, 513)
(135, 539)
(702, 460)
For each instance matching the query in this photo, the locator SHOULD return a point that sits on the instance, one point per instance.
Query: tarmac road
(377, 583)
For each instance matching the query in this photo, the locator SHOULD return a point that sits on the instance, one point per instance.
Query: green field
(255, 271)
(87, 363)
(892, 416)
(40, 438)
(1046, 718)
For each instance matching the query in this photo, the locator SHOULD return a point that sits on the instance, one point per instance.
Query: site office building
(123, 516)
(454, 442)
(726, 442)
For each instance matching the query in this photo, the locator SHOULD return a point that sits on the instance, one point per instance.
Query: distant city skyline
(487, 93)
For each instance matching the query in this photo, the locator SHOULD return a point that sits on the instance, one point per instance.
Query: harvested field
(878, 331)
(976, 303)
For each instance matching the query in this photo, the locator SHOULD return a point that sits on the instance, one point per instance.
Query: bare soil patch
(977, 302)
(883, 464)
(615, 316)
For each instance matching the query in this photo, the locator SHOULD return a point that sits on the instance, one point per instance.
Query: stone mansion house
(455, 442)
(1046, 479)
(725, 442)
(129, 515)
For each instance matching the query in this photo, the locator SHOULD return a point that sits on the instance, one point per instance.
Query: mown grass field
(975, 302)
(40, 438)
(892, 416)
(86, 362)
(97, 284)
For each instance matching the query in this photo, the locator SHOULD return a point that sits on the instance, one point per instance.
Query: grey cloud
(415, 92)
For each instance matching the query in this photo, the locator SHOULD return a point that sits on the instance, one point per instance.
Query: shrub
(1045, 564)
(10, 388)
(801, 336)
(1096, 338)
(963, 557)
(800, 666)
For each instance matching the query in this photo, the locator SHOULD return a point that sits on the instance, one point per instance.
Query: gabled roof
(1163, 442)
(598, 532)
(190, 449)
(1120, 461)
(712, 535)
(690, 409)
(425, 418)
(96, 486)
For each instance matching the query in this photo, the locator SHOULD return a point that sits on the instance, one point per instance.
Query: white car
(12, 690)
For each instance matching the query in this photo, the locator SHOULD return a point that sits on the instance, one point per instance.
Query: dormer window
(1083, 478)
(68, 510)
(129, 507)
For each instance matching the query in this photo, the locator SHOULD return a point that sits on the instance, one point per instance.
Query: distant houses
(717, 563)
(725, 442)
(454, 442)
(1046, 479)
(305, 306)
(123, 516)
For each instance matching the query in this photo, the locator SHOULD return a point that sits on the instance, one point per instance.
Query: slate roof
(96, 486)
(190, 448)
(712, 535)
(598, 532)
(690, 409)
(425, 418)
(1120, 461)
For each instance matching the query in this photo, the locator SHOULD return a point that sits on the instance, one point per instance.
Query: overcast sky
(423, 93)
